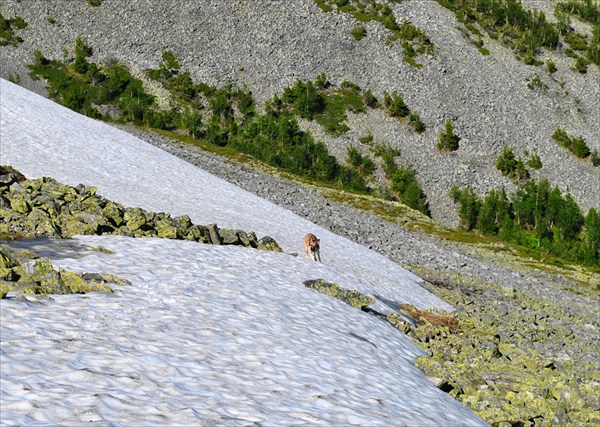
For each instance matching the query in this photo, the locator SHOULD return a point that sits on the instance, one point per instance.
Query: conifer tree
(592, 231)
(448, 139)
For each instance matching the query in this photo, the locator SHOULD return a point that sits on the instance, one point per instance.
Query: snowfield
(205, 335)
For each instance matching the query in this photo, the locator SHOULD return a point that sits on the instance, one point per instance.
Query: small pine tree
(561, 137)
(448, 139)
(416, 122)
(579, 147)
(506, 162)
(592, 230)
(469, 206)
(535, 162)
(82, 51)
(521, 173)
(395, 104)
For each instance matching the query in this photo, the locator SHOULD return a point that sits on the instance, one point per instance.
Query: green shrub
(536, 83)
(362, 163)
(469, 205)
(581, 65)
(367, 139)
(577, 146)
(305, 98)
(388, 155)
(416, 123)
(359, 32)
(192, 121)
(448, 140)
(83, 85)
(524, 30)
(7, 30)
(535, 162)
(395, 104)
(512, 167)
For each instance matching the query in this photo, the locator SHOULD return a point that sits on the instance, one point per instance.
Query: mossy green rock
(77, 285)
(350, 297)
(268, 244)
(166, 229)
(40, 278)
(399, 323)
(44, 207)
(73, 226)
(20, 204)
(134, 218)
(229, 236)
(113, 212)
(5, 288)
(43, 224)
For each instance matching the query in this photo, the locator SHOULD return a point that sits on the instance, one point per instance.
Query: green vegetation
(7, 30)
(595, 157)
(414, 40)
(512, 167)
(527, 31)
(577, 146)
(324, 102)
(359, 32)
(403, 183)
(448, 140)
(360, 162)
(94, 2)
(535, 162)
(87, 88)
(536, 83)
(538, 217)
(396, 107)
(586, 11)
(223, 116)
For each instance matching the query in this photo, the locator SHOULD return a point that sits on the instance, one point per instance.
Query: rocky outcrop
(24, 272)
(523, 367)
(45, 207)
(350, 297)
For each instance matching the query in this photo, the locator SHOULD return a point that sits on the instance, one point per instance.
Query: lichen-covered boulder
(399, 323)
(268, 244)
(214, 235)
(78, 285)
(198, 234)
(165, 228)
(20, 203)
(72, 226)
(5, 288)
(42, 223)
(113, 212)
(40, 278)
(134, 218)
(229, 236)
(350, 297)
(45, 207)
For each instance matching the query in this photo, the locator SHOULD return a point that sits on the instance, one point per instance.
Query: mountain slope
(267, 47)
(205, 334)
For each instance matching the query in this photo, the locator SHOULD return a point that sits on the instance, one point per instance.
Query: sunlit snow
(205, 335)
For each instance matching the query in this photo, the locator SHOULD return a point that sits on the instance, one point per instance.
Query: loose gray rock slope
(267, 45)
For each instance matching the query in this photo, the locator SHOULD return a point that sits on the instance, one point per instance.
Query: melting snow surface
(205, 335)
